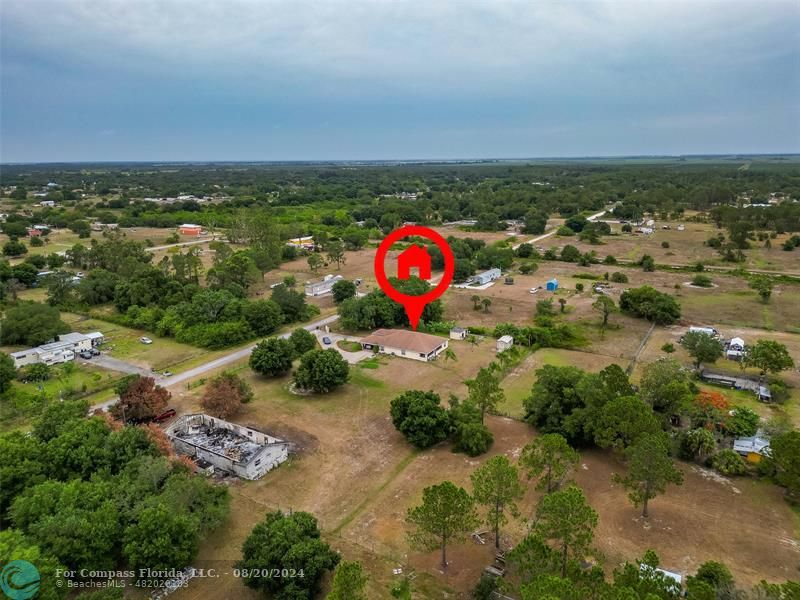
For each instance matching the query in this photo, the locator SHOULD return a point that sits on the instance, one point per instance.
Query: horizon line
(401, 160)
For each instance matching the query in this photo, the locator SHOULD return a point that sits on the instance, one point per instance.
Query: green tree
(31, 323)
(349, 582)
(742, 422)
(420, 417)
(335, 250)
(272, 357)
(699, 443)
(624, 420)
(263, 316)
(650, 470)
(7, 372)
(15, 546)
(605, 306)
(785, 455)
(496, 485)
(763, 285)
(322, 371)
(648, 303)
(342, 290)
(485, 391)
(292, 303)
(160, 539)
(702, 347)
(302, 341)
(286, 542)
(769, 356)
(665, 385)
(14, 247)
(647, 263)
(446, 515)
(566, 518)
(315, 261)
(548, 458)
(553, 397)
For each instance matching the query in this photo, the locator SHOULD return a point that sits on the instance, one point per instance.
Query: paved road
(234, 356)
(181, 244)
(553, 231)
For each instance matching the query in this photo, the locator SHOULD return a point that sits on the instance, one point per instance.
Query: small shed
(504, 343)
(552, 285)
(458, 333)
(752, 448)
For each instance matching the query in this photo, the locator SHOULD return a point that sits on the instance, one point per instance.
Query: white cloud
(422, 46)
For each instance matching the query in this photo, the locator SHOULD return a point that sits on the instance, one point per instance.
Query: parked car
(85, 354)
(167, 373)
(145, 340)
(167, 414)
(326, 340)
(95, 352)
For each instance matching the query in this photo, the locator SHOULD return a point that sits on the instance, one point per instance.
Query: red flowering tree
(141, 400)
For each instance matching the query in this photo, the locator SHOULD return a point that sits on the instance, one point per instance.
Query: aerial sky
(163, 80)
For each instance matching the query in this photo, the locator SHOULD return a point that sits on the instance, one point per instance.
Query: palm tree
(476, 302)
(450, 355)
(487, 302)
(563, 303)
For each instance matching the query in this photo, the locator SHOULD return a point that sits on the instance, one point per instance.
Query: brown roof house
(408, 344)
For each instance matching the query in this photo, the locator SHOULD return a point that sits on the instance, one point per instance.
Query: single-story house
(458, 333)
(552, 285)
(318, 288)
(33, 232)
(504, 343)
(408, 344)
(486, 277)
(190, 229)
(752, 448)
(306, 243)
(61, 350)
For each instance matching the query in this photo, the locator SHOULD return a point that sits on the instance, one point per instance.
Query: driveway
(350, 357)
(114, 364)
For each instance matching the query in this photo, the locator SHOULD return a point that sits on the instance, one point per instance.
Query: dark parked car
(95, 352)
(167, 414)
(85, 354)
(326, 340)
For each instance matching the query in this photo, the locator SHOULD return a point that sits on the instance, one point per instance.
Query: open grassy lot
(59, 240)
(685, 247)
(123, 343)
(359, 476)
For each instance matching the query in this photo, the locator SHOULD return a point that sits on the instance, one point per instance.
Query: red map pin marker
(414, 256)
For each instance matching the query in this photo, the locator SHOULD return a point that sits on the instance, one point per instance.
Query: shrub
(668, 348)
(729, 462)
(472, 438)
(619, 277)
(322, 370)
(702, 281)
(648, 303)
(564, 231)
(665, 244)
(610, 260)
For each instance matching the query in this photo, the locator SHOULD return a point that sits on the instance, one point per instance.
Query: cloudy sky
(298, 80)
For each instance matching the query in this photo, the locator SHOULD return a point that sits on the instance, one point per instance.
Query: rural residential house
(229, 447)
(318, 288)
(63, 349)
(190, 229)
(485, 277)
(408, 344)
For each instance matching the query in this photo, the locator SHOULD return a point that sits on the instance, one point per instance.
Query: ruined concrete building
(230, 448)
